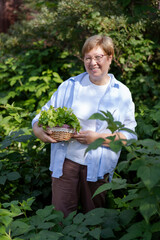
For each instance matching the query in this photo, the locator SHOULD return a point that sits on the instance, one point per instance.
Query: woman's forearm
(117, 135)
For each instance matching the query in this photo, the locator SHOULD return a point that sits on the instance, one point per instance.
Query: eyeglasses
(97, 58)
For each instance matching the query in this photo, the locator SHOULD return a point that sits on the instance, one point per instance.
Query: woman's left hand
(86, 137)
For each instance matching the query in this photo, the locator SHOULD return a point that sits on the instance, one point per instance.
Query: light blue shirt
(118, 101)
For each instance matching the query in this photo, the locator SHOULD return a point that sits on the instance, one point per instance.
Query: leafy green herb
(59, 117)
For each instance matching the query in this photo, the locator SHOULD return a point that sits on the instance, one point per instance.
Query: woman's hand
(41, 134)
(86, 137)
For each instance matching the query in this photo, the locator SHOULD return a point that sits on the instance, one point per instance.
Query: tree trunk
(8, 13)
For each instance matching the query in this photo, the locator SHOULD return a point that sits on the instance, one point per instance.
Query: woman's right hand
(41, 134)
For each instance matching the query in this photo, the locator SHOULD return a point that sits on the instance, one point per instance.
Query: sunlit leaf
(98, 116)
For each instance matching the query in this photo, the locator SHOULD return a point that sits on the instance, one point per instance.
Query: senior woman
(76, 176)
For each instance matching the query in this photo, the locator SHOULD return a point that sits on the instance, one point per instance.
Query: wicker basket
(60, 134)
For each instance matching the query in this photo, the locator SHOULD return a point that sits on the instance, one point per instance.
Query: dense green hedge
(36, 56)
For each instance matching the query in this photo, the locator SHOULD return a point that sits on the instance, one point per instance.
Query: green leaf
(156, 116)
(116, 146)
(116, 183)
(32, 79)
(18, 118)
(4, 237)
(57, 78)
(5, 143)
(45, 212)
(70, 228)
(95, 220)
(1, 156)
(98, 116)
(48, 235)
(95, 233)
(2, 230)
(78, 218)
(6, 220)
(46, 225)
(40, 89)
(155, 227)
(134, 232)
(3, 179)
(94, 217)
(136, 164)
(150, 144)
(36, 220)
(46, 79)
(6, 205)
(122, 166)
(68, 220)
(148, 207)
(25, 205)
(127, 130)
(147, 235)
(99, 212)
(13, 176)
(19, 227)
(76, 235)
(50, 217)
(94, 145)
(108, 116)
(132, 195)
(23, 138)
(83, 230)
(5, 212)
(14, 79)
(149, 175)
(126, 216)
(16, 211)
(107, 233)
(3, 75)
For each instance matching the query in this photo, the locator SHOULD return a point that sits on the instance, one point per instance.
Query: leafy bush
(136, 214)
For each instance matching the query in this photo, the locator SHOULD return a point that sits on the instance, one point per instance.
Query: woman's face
(97, 64)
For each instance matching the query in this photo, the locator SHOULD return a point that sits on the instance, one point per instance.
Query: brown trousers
(72, 188)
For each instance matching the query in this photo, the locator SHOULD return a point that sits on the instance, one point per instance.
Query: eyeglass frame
(89, 59)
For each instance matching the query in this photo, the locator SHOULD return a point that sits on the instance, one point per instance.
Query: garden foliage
(35, 57)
